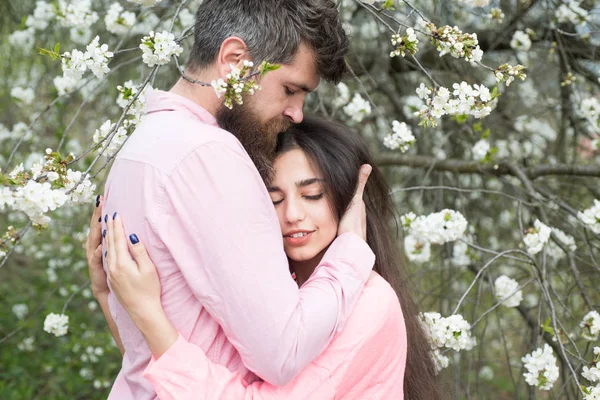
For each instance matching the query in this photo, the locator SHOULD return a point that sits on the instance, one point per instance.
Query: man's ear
(233, 52)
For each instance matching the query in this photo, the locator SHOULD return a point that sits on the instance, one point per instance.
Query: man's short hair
(272, 30)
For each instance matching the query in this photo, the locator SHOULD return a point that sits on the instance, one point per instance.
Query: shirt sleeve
(218, 222)
(184, 372)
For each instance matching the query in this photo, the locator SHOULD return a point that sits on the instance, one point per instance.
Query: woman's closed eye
(314, 197)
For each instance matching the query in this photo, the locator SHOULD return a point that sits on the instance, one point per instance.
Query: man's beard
(259, 139)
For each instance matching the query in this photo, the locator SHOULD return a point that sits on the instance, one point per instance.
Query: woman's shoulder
(377, 307)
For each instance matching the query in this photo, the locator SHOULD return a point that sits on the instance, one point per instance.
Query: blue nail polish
(105, 253)
(100, 219)
(106, 218)
(134, 239)
(97, 198)
(97, 204)
(104, 233)
(115, 215)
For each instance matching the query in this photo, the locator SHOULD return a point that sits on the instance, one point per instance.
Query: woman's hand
(93, 252)
(134, 280)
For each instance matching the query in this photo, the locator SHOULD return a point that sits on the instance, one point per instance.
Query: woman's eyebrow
(308, 182)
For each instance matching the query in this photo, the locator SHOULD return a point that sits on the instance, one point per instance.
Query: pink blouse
(365, 361)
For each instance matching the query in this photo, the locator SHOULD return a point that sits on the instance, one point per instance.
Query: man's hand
(355, 218)
(93, 252)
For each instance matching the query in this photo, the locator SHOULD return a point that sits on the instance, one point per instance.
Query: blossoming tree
(484, 115)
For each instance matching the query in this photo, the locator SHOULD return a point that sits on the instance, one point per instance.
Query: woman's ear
(233, 53)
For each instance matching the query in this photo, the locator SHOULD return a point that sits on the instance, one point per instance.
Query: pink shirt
(190, 191)
(365, 361)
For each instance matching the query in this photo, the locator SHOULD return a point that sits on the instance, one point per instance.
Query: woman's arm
(93, 252)
(179, 369)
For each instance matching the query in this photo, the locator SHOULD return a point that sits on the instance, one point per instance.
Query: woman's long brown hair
(338, 153)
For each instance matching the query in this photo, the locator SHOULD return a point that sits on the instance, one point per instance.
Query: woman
(382, 353)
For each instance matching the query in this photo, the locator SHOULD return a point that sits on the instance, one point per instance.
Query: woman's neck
(304, 269)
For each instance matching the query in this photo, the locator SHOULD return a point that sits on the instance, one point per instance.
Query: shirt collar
(159, 100)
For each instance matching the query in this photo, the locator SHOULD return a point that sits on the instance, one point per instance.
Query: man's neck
(202, 95)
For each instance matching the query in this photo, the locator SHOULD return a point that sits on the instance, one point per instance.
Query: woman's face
(307, 222)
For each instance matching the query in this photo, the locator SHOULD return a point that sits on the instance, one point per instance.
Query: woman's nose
(294, 212)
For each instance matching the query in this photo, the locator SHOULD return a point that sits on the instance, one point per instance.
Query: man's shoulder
(165, 139)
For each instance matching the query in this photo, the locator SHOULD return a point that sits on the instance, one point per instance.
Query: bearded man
(188, 181)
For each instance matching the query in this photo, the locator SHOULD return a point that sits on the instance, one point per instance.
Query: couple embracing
(247, 253)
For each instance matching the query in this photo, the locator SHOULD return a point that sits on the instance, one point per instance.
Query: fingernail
(134, 239)
(106, 218)
(115, 215)
(105, 253)
(97, 198)
(104, 233)
(100, 219)
(97, 204)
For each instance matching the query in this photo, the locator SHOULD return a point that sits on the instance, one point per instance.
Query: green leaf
(268, 67)
(389, 5)
(486, 133)
(546, 327)
(478, 126)
(57, 48)
(50, 53)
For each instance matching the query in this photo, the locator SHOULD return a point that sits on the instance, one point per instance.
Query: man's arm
(220, 226)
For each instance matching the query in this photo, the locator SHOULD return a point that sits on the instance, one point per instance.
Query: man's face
(272, 109)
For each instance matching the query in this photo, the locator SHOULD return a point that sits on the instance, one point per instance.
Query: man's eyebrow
(302, 87)
(272, 189)
(308, 182)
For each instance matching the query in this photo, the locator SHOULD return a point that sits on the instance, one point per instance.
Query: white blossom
(25, 95)
(146, 3)
(590, 108)
(541, 367)
(158, 48)
(460, 256)
(464, 99)
(417, 251)
(358, 108)
(591, 217)
(400, 138)
(505, 286)
(65, 84)
(590, 325)
(186, 18)
(42, 14)
(76, 14)
(570, 11)
(117, 140)
(343, 95)
(480, 150)
(592, 374)
(520, 41)
(423, 91)
(56, 324)
(95, 58)
(593, 393)
(26, 344)
(438, 228)
(20, 310)
(537, 237)
(452, 332)
(117, 20)
(22, 39)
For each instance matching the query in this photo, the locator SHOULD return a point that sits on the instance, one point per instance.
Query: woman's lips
(298, 241)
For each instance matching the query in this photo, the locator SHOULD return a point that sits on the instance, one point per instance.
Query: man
(185, 181)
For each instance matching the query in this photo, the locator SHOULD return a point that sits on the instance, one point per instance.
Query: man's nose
(294, 110)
